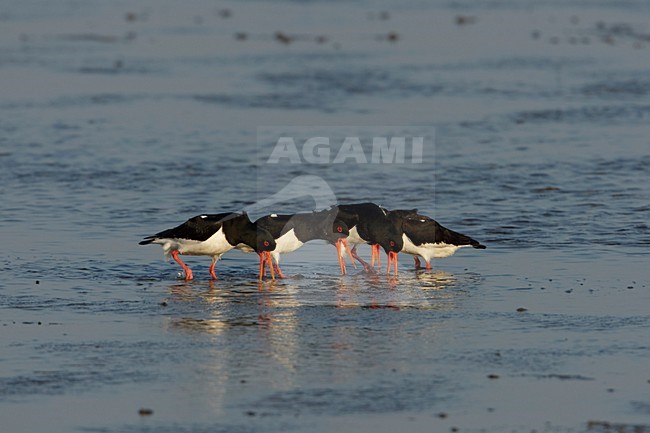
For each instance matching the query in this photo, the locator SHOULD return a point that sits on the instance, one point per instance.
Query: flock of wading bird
(396, 231)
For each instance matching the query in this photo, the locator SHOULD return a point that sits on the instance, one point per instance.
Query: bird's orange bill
(269, 260)
(376, 254)
(392, 260)
(342, 245)
(265, 258)
(339, 254)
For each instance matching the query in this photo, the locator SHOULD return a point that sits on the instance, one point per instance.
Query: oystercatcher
(426, 238)
(291, 231)
(213, 235)
(369, 224)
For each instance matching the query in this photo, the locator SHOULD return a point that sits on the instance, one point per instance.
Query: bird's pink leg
(262, 266)
(213, 274)
(418, 265)
(278, 270)
(428, 265)
(347, 249)
(366, 266)
(186, 269)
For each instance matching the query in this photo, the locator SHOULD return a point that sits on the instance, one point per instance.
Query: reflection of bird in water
(435, 280)
(437, 290)
(269, 306)
(370, 292)
(208, 326)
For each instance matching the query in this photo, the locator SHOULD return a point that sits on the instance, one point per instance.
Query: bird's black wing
(275, 224)
(198, 228)
(421, 230)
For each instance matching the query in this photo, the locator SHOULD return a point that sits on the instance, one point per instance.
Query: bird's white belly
(287, 243)
(429, 250)
(245, 248)
(354, 238)
(215, 245)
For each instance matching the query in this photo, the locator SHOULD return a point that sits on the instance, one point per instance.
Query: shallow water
(119, 120)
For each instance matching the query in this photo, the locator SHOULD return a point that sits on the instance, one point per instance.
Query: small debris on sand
(282, 38)
(463, 20)
(145, 411)
(224, 13)
(606, 427)
(547, 188)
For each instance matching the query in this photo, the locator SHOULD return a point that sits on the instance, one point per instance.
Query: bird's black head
(265, 241)
(394, 245)
(391, 240)
(335, 230)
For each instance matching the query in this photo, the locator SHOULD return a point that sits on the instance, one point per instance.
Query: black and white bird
(213, 235)
(292, 231)
(425, 237)
(369, 224)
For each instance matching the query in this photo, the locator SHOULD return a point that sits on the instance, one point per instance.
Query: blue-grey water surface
(120, 119)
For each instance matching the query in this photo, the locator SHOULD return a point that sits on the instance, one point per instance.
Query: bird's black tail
(456, 238)
(476, 244)
(146, 241)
